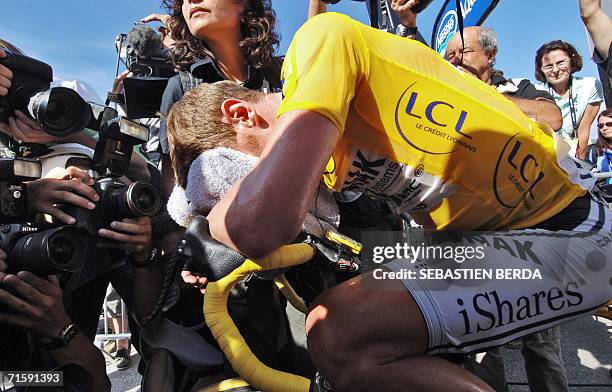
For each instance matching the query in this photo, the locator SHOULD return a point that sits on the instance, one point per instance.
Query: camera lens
(60, 111)
(46, 252)
(139, 199)
(144, 199)
(61, 249)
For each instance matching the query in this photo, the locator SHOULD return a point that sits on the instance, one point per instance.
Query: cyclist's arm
(266, 209)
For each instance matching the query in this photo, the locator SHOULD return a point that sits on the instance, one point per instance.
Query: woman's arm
(584, 129)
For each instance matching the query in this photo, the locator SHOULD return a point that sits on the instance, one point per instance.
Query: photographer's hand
(132, 235)
(73, 187)
(403, 9)
(118, 82)
(37, 303)
(3, 265)
(38, 306)
(162, 18)
(22, 127)
(5, 76)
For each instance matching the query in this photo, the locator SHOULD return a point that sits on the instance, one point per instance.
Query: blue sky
(76, 37)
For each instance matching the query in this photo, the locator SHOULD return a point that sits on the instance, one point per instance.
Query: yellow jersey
(434, 141)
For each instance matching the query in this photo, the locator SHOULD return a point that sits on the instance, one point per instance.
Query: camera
(111, 160)
(149, 62)
(59, 110)
(60, 249)
(13, 201)
(28, 249)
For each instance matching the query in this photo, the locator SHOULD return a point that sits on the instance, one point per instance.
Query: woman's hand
(132, 235)
(73, 186)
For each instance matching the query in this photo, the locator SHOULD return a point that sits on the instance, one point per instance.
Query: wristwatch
(148, 263)
(404, 31)
(63, 338)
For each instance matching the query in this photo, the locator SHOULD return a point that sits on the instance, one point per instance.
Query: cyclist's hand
(3, 265)
(132, 235)
(403, 9)
(74, 187)
(35, 303)
(194, 279)
(6, 75)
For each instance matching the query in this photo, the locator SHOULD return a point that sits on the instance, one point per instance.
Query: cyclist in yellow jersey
(402, 124)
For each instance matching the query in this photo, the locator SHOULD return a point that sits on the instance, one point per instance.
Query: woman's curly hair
(258, 43)
(569, 49)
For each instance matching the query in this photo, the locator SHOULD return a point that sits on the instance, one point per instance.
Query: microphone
(143, 41)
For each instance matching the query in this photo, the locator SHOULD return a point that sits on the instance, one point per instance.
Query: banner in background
(447, 22)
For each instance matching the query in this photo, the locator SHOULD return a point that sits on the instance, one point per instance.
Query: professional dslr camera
(150, 64)
(28, 249)
(13, 173)
(111, 160)
(59, 110)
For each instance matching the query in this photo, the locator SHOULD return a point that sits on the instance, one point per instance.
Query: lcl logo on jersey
(433, 120)
(517, 172)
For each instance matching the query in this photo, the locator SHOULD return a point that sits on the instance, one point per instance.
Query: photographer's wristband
(62, 339)
(148, 263)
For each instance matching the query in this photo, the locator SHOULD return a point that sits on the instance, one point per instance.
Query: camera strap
(572, 107)
(573, 111)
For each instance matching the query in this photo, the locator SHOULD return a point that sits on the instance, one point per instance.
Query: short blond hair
(195, 123)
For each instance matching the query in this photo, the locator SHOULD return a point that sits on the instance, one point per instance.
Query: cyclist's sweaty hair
(195, 123)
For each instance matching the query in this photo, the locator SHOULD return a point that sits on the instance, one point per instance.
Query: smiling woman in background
(577, 97)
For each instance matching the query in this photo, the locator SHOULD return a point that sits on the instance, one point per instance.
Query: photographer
(35, 304)
(24, 129)
(37, 329)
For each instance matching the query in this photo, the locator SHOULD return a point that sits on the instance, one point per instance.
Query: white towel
(212, 174)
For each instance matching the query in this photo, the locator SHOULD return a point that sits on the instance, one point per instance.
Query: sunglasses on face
(606, 124)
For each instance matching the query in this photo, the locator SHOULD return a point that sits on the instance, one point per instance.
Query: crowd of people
(353, 130)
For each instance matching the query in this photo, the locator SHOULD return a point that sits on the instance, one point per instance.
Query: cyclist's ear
(239, 113)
